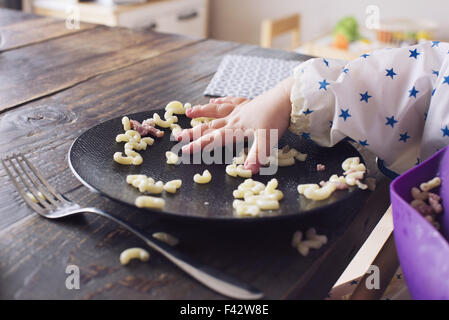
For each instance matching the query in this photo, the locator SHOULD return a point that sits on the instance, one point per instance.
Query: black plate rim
(171, 215)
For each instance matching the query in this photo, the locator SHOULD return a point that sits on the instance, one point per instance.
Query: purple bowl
(423, 251)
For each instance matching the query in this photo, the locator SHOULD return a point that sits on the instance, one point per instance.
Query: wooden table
(55, 84)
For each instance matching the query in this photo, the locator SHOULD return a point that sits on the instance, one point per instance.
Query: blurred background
(339, 29)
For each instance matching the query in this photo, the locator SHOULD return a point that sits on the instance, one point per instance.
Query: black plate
(90, 158)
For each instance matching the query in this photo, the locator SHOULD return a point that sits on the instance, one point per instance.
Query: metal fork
(51, 204)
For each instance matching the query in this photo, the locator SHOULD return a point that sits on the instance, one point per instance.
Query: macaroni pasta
(176, 107)
(126, 123)
(172, 186)
(167, 238)
(172, 158)
(134, 253)
(312, 241)
(204, 178)
(256, 197)
(150, 202)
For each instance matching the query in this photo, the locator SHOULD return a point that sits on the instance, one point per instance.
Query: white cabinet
(188, 17)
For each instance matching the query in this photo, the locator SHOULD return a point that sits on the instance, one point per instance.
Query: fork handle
(208, 276)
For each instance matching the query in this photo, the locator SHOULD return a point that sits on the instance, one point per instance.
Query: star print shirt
(394, 102)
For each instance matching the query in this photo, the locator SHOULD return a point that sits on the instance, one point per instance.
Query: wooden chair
(270, 29)
(27, 6)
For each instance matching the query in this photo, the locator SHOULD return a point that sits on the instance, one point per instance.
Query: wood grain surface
(34, 71)
(35, 30)
(62, 87)
(8, 16)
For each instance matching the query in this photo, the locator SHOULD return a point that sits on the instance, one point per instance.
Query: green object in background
(349, 28)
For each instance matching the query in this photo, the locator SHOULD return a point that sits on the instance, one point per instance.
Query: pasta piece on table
(148, 140)
(172, 158)
(166, 237)
(162, 123)
(256, 194)
(198, 121)
(247, 210)
(204, 178)
(172, 186)
(242, 172)
(231, 170)
(176, 107)
(155, 188)
(134, 253)
(175, 128)
(126, 124)
(320, 193)
(119, 158)
(312, 241)
(168, 116)
(150, 202)
(267, 204)
(350, 163)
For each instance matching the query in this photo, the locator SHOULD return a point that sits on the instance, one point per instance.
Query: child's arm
(393, 101)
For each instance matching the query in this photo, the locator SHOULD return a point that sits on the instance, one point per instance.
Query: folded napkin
(248, 76)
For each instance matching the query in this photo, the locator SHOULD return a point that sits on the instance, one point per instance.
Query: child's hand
(216, 108)
(243, 118)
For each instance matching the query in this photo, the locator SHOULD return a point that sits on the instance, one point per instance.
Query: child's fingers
(221, 100)
(259, 152)
(239, 100)
(217, 123)
(210, 110)
(216, 100)
(188, 134)
(198, 131)
(215, 138)
(231, 100)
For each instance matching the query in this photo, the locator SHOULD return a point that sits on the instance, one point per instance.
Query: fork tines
(34, 189)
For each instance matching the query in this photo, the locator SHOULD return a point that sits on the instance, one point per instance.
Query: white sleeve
(395, 102)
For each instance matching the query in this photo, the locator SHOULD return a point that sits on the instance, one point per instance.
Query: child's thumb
(259, 152)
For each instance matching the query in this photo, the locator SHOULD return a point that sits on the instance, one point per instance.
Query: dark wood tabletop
(55, 84)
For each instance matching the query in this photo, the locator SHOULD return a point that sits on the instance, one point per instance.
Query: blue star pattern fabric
(413, 92)
(390, 73)
(446, 80)
(445, 131)
(344, 114)
(391, 121)
(404, 137)
(364, 143)
(414, 53)
(394, 102)
(365, 96)
(323, 84)
(308, 111)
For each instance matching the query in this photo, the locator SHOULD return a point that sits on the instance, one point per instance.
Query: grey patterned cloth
(248, 76)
